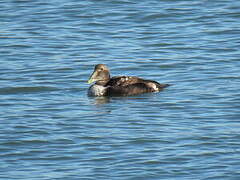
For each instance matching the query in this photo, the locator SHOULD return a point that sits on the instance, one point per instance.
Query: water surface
(50, 129)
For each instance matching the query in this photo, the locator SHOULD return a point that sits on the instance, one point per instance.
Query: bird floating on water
(119, 85)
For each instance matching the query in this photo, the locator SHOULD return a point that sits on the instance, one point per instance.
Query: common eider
(119, 85)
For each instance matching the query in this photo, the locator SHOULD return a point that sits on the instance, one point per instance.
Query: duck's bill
(92, 77)
(90, 81)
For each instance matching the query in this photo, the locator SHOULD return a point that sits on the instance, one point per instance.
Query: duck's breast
(96, 90)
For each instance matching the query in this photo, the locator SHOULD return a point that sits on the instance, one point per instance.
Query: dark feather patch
(124, 81)
(131, 89)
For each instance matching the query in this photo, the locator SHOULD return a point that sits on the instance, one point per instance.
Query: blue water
(50, 129)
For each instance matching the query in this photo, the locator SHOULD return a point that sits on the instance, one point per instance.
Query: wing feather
(124, 81)
(131, 85)
(131, 89)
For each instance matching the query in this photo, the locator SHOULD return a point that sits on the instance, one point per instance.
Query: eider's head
(100, 74)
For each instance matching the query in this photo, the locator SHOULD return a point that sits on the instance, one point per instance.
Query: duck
(105, 85)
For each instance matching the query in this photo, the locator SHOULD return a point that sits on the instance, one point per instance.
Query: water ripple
(24, 90)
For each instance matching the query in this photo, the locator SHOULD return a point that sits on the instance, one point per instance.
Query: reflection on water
(107, 99)
(99, 100)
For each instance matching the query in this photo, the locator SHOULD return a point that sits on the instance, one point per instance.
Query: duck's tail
(162, 86)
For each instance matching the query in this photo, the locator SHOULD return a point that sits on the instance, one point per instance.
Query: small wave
(22, 90)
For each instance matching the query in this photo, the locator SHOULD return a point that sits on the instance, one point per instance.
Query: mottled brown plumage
(120, 85)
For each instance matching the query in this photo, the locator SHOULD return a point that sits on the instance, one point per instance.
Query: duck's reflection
(100, 100)
(107, 99)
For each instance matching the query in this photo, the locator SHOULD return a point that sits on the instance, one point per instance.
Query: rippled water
(50, 129)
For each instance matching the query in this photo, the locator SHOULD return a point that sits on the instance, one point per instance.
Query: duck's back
(124, 81)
